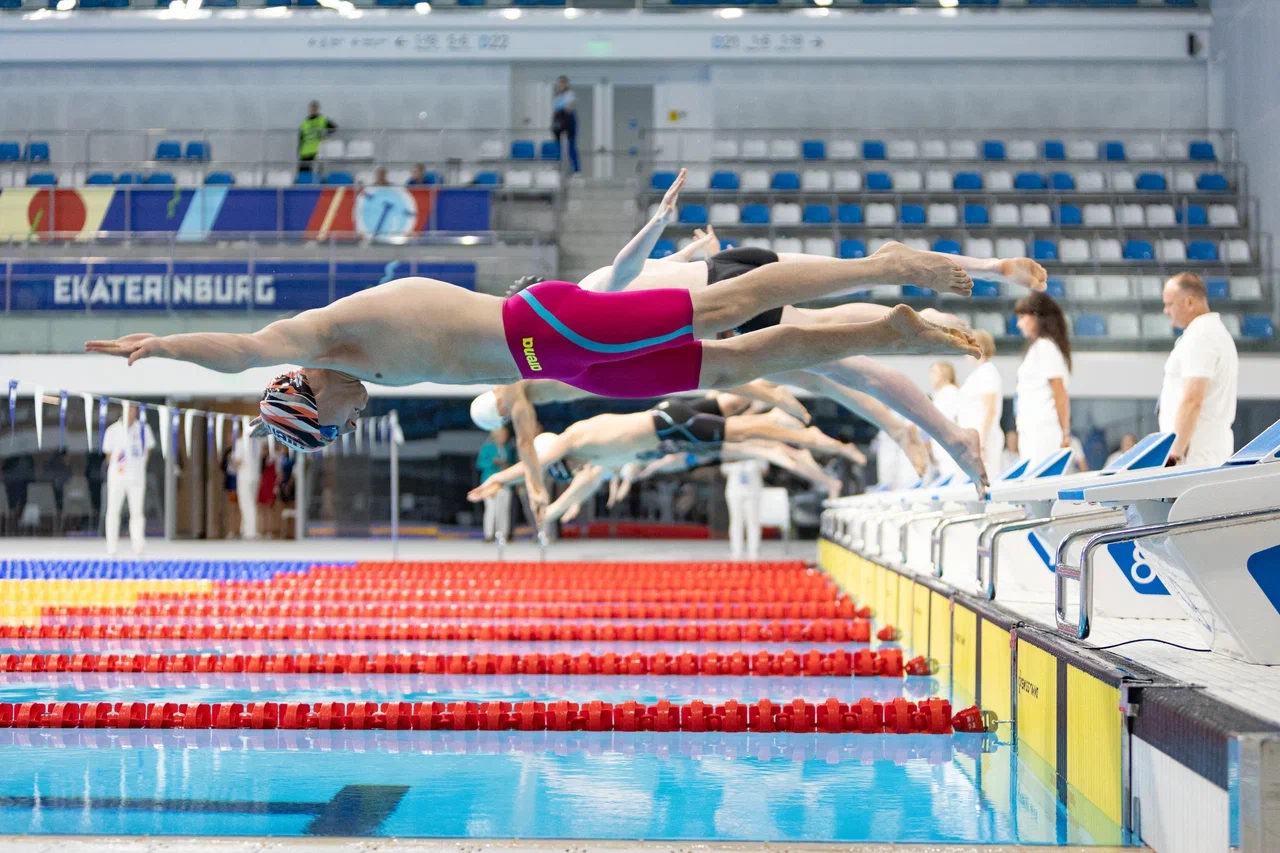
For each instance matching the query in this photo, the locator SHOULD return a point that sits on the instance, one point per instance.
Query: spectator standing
(496, 454)
(564, 119)
(314, 128)
(743, 492)
(1042, 408)
(946, 397)
(1201, 377)
(982, 404)
(231, 515)
(1011, 454)
(270, 476)
(419, 176)
(127, 445)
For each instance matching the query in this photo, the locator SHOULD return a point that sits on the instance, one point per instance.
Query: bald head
(1185, 298)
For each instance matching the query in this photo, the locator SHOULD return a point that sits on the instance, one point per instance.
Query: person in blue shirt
(564, 119)
(495, 455)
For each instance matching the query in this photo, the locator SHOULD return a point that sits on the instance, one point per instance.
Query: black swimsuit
(684, 428)
(732, 263)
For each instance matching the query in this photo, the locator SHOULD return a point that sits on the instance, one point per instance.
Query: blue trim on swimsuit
(595, 346)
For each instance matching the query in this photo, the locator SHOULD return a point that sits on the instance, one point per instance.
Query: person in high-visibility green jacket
(314, 128)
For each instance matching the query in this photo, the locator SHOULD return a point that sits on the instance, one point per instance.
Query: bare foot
(853, 454)
(912, 445)
(1024, 272)
(923, 269)
(919, 335)
(787, 402)
(965, 447)
(834, 487)
(951, 321)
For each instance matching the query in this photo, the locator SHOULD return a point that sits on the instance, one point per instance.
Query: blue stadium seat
(1201, 151)
(728, 243)
(168, 150)
(197, 150)
(1069, 214)
(725, 181)
(1202, 250)
(523, 149)
(1028, 181)
(42, 179)
(878, 182)
(100, 179)
(1062, 182)
(124, 179)
(1054, 149)
(992, 150)
(1151, 182)
(755, 214)
(1111, 151)
(305, 178)
(976, 214)
(1138, 250)
(1217, 288)
(339, 179)
(813, 149)
(967, 181)
(10, 151)
(1044, 250)
(912, 214)
(487, 179)
(37, 152)
(662, 181)
(1257, 326)
(1192, 214)
(910, 291)
(663, 248)
(1090, 326)
(1212, 182)
(785, 181)
(849, 214)
(102, 4)
(428, 179)
(852, 249)
(946, 247)
(983, 289)
(10, 4)
(159, 179)
(220, 179)
(693, 214)
(1055, 288)
(817, 214)
(872, 149)
(1011, 326)
(549, 149)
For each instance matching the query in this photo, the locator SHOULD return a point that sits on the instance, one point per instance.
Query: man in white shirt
(743, 492)
(127, 444)
(1198, 398)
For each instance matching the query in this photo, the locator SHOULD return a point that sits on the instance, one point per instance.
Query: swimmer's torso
(613, 440)
(656, 273)
(417, 330)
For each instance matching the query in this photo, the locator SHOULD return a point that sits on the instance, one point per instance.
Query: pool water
(957, 788)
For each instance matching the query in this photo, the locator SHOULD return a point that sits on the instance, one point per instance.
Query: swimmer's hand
(133, 347)
(667, 210)
(482, 491)
(538, 502)
(853, 454)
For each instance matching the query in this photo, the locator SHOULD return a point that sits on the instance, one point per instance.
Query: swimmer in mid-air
(634, 344)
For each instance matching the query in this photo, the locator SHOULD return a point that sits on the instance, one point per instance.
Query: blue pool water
(917, 788)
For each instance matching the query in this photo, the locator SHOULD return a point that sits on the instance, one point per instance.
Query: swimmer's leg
(1022, 272)
(717, 309)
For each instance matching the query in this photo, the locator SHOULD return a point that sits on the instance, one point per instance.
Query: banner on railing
(377, 213)
(207, 285)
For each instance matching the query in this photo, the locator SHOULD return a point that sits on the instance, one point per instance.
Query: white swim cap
(484, 412)
(542, 443)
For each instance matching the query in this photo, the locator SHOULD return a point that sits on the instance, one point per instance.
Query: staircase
(598, 219)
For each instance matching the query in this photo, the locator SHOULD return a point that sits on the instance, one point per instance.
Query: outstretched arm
(703, 241)
(301, 340)
(585, 484)
(775, 395)
(630, 261)
(506, 478)
(742, 428)
(524, 420)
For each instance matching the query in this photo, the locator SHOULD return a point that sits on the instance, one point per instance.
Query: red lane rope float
(900, 716)
(818, 631)
(471, 610)
(887, 663)
(500, 593)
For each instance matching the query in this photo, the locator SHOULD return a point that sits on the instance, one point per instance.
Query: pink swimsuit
(631, 344)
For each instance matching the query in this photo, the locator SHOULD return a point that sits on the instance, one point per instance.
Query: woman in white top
(1042, 409)
(743, 489)
(982, 404)
(946, 397)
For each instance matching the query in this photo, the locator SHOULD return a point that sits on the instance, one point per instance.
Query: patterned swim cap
(289, 413)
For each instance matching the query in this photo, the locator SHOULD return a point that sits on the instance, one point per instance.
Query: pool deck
(109, 844)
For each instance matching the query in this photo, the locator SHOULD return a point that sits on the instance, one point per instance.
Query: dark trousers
(566, 124)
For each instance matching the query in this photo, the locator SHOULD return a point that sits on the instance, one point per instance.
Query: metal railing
(991, 534)
(1097, 537)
